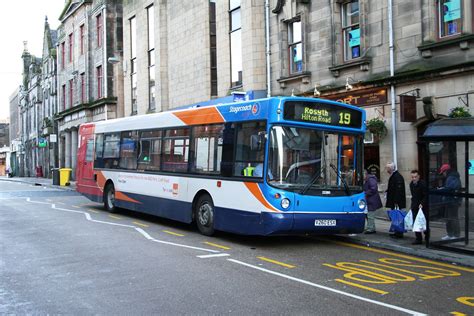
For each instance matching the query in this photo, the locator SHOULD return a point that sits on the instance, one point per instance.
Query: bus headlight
(285, 203)
(362, 204)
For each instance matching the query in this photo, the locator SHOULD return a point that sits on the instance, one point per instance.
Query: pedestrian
(373, 200)
(451, 185)
(418, 201)
(395, 193)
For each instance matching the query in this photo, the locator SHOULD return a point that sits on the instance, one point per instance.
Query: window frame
(440, 23)
(347, 28)
(151, 59)
(235, 6)
(81, 39)
(71, 46)
(294, 44)
(98, 29)
(99, 76)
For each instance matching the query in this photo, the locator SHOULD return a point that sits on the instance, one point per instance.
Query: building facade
(89, 36)
(407, 64)
(16, 148)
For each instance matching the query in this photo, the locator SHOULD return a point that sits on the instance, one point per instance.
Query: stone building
(30, 100)
(90, 34)
(407, 64)
(16, 162)
(180, 55)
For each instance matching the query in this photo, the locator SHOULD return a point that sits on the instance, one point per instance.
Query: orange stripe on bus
(100, 180)
(255, 190)
(206, 115)
(123, 197)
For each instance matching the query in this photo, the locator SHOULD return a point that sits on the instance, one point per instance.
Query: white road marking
(214, 256)
(357, 297)
(138, 229)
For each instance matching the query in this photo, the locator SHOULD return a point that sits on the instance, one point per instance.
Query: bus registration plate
(325, 222)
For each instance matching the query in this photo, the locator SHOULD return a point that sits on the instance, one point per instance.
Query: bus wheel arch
(204, 212)
(109, 197)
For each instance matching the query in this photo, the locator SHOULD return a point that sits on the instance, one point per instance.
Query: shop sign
(407, 108)
(361, 98)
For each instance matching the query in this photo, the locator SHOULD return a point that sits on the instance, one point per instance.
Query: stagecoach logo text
(237, 109)
(314, 115)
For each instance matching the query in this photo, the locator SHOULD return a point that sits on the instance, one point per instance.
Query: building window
(235, 42)
(213, 49)
(71, 47)
(449, 17)
(98, 20)
(63, 55)
(133, 63)
(83, 87)
(351, 30)
(81, 39)
(99, 81)
(71, 92)
(63, 97)
(151, 59)
(295, 46)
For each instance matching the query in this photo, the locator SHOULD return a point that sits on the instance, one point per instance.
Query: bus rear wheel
(109, 198)
(204, 215)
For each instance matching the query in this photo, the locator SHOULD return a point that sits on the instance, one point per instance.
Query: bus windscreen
(322, 113)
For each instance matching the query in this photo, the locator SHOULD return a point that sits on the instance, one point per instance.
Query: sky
(22, 20)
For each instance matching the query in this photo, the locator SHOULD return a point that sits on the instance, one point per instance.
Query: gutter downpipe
(267, 48)
(392, 86)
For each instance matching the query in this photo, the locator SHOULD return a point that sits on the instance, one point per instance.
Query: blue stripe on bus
(249, 223)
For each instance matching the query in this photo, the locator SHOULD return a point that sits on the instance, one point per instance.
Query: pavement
(380, 240)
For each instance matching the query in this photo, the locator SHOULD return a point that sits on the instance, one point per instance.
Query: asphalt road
(62, 254)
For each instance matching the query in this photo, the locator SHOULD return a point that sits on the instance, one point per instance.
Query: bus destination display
(322, 113)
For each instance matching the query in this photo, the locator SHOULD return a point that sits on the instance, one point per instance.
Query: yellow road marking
(466, 300)
(140, 224)
(93, 211)
(75, 206)
(362, 287)
(458, 314)
(172, 233)
(390, 253)
(216, 245)
(116, 217)
(289, 266)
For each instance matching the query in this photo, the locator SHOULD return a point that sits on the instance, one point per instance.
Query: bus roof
(258, 109)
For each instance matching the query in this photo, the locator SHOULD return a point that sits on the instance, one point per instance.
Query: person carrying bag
(418, 201)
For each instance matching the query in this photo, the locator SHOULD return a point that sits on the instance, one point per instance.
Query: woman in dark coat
(373, 200)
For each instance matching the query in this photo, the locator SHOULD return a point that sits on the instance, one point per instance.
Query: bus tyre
(204, 215)
(109, 198)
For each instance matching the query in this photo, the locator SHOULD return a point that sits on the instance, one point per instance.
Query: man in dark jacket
(451, 184)
(395, 192)
(373, 200)
(418, 200)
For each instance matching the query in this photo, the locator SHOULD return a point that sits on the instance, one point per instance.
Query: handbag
(409, 221)
(398, 220)
(420, 222)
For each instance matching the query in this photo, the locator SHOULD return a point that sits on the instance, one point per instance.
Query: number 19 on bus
(344, 118)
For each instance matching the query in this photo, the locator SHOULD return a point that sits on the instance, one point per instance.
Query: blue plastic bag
(398, 221)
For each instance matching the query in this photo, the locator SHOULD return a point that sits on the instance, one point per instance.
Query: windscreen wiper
(315, 177)
(346, 187)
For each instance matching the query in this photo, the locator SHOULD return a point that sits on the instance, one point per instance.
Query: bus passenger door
(85, 160)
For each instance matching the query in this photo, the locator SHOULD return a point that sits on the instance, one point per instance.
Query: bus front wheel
(204, 215)
(109, 198)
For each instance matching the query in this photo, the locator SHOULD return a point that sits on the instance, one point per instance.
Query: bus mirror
(255, 142)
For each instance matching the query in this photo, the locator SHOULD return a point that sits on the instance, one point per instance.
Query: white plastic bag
(409, 221)
(420, 222)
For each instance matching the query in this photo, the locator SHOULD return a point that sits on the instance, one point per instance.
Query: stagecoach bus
(275, 166)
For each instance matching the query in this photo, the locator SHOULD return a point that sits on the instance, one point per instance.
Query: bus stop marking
(390, 253)
(173, 233)
(466, 300)
(286, 265)
(116, 217)
(362, 286)
(216, 245)
(140, 224)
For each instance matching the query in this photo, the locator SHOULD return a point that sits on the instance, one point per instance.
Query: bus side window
(111, 150)
(149, 156)
(248, 157)
(128, 150)
(99, 151)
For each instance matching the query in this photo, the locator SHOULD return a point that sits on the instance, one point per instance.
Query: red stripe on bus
(255, 190)
(123, 197)
(206, 115)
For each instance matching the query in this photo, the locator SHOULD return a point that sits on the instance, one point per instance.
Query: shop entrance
(372, 159)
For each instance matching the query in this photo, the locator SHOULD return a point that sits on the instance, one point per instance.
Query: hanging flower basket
(459, 111)
(377, 127)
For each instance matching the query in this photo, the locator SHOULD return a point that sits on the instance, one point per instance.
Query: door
(85, 159)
